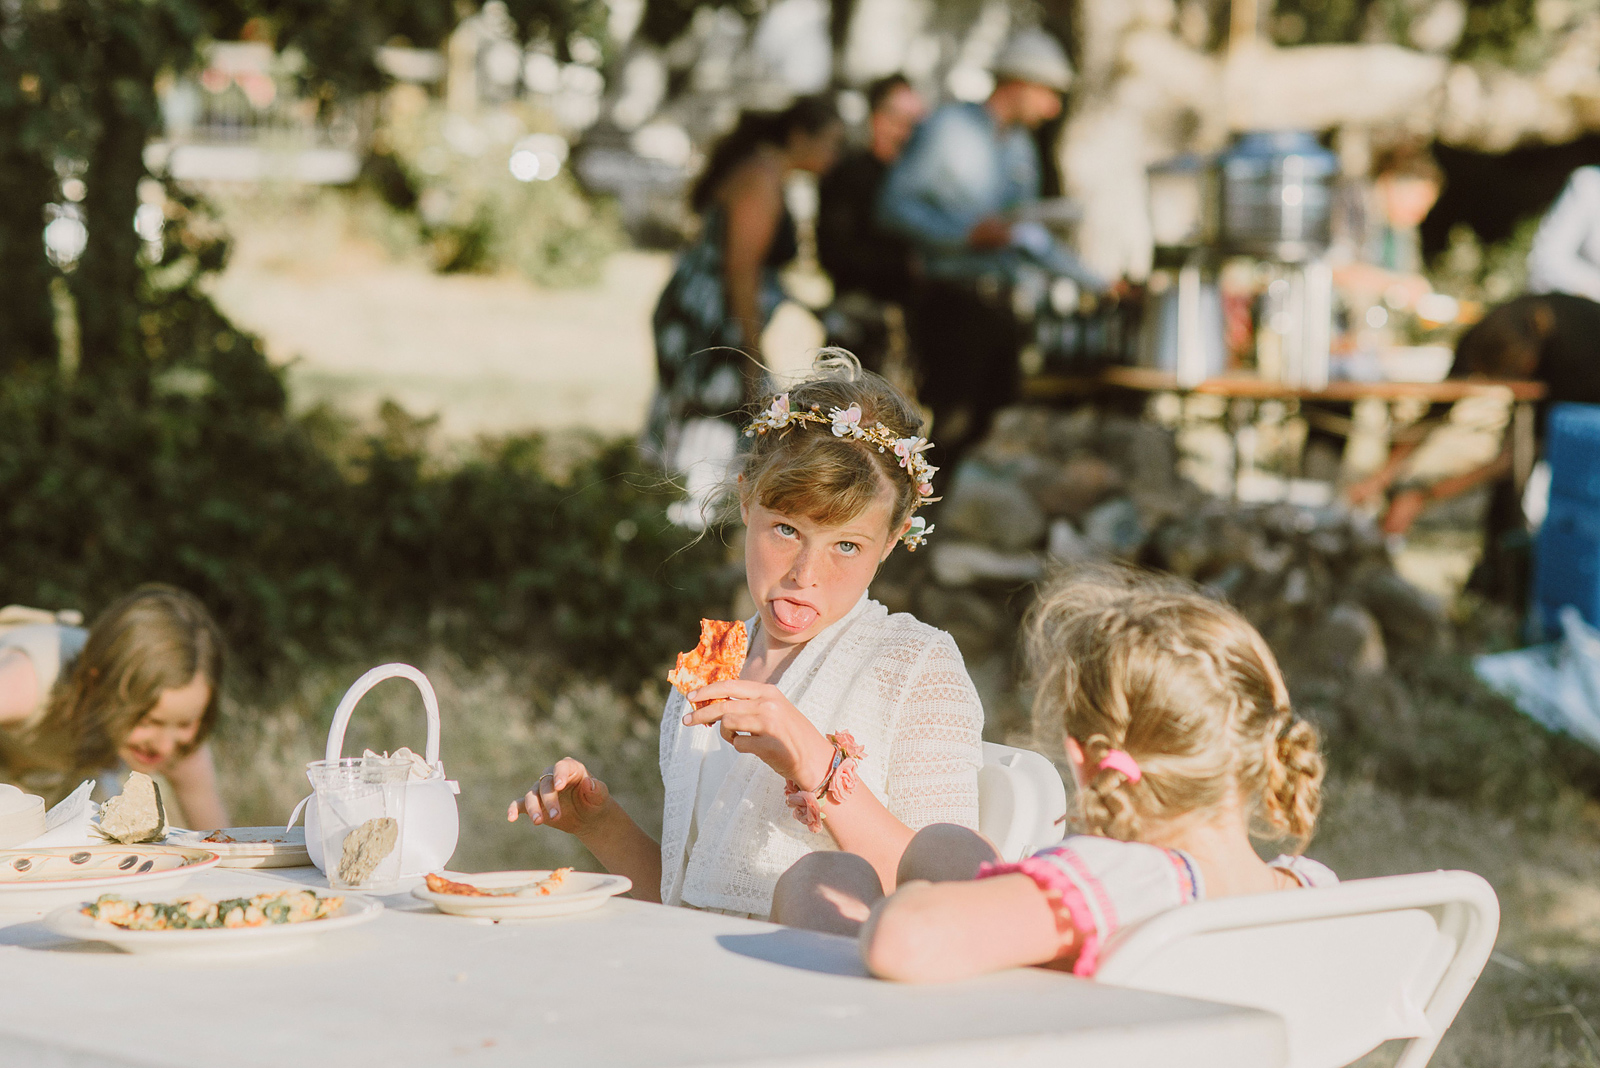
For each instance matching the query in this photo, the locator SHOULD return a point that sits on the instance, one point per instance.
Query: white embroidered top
(897, 684)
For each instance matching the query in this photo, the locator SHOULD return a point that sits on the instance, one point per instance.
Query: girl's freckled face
(805, 576)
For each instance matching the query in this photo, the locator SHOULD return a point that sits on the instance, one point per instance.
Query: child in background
(1179, 731)
(139, 691)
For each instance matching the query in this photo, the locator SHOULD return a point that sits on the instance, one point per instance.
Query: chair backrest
(1347, 967)
(1021, 801)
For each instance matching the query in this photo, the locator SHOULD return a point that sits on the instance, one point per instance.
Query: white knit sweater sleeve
(938, 741)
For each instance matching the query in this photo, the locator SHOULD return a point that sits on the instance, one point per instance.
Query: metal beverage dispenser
(1183, 334)
(1276, 204)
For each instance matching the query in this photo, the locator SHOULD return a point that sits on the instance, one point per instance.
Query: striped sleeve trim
(1070, 907)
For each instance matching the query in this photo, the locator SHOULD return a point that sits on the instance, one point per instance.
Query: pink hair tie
(1117, 760)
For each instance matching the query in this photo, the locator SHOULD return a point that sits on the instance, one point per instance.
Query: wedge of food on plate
(504, 895)
(537, 888)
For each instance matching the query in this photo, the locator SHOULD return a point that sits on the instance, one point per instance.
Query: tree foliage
(171, 454)
(78, 99)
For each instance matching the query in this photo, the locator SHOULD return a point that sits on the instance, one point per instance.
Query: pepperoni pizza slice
(718, 658)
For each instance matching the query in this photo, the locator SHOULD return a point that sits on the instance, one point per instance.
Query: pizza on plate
(718, 658)
(540, 888)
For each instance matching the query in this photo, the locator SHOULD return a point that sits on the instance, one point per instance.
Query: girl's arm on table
(940, 932)
(194, 779)
(569, 799)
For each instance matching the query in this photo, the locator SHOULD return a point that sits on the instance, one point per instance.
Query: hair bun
(1295, 768)
(837, 363)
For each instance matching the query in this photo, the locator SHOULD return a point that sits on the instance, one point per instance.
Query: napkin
(403, 755)
(67, 824)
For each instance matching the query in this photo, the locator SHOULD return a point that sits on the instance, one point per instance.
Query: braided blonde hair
(1186, 687)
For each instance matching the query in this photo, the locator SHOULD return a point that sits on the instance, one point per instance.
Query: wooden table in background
(1522, 393)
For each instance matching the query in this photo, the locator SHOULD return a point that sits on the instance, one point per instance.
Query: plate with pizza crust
(249, 847)
(495, 894)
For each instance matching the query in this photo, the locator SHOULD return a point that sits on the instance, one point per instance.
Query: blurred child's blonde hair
(807, 471)
(1183, 685)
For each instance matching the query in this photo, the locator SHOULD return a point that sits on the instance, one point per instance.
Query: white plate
(45, 878)
(252, 847)
(70, 921)
(580, 892)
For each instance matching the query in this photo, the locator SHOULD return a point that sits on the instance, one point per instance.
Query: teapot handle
(430, 702)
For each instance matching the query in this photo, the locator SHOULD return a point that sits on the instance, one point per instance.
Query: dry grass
(499, 731)
(1536, 1000)
(501, 728)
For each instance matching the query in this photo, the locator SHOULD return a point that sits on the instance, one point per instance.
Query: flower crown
(846, 423)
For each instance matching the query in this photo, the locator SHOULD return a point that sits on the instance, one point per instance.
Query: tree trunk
(27, 325)
(107, 281)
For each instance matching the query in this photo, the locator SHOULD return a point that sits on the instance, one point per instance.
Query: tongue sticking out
(793, 616)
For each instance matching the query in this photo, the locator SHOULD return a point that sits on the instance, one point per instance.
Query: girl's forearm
(861, 825)
(623, 848)
(940, 932)
(194, 780)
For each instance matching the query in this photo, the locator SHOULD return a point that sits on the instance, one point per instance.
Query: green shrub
(451, 174)
(310, 539)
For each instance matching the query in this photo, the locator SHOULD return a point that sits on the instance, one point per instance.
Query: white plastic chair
(1347, 967)
(1021, 801)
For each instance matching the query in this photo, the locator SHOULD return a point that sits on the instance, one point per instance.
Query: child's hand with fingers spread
(566, 797)
(757, 718)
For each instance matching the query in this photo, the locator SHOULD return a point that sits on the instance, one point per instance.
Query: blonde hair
(807, 471)
(155, 639)
(1187, 688)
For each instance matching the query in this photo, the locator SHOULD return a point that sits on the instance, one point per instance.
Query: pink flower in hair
(847, 422)
(906, 448)
(845, 779)
(779, 409)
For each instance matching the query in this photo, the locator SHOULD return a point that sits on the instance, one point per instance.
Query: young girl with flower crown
(850, 727)
(1179, 730)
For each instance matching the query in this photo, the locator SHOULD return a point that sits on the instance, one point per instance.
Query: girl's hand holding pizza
(756, 718)
(566, 797)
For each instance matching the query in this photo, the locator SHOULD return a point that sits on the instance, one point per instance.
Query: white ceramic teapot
(431, 825)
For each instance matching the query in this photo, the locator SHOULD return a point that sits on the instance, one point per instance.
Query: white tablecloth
(631, 984)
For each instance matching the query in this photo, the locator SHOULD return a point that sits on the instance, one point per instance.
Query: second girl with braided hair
(1178, 726)
(850, 728)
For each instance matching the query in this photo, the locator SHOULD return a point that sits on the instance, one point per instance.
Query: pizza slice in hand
(718, 658)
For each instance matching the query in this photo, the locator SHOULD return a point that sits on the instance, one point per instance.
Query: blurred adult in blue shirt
(960, 193)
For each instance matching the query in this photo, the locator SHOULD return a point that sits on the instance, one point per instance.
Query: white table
(631, 984)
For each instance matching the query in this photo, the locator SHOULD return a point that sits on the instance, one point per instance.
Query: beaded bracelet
(836, 785)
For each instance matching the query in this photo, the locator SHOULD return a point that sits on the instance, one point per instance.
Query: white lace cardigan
(897, 684)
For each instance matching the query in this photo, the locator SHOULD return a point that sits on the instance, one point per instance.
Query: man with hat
(957, 194)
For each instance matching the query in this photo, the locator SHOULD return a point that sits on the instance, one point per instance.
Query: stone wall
(1053, 489)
